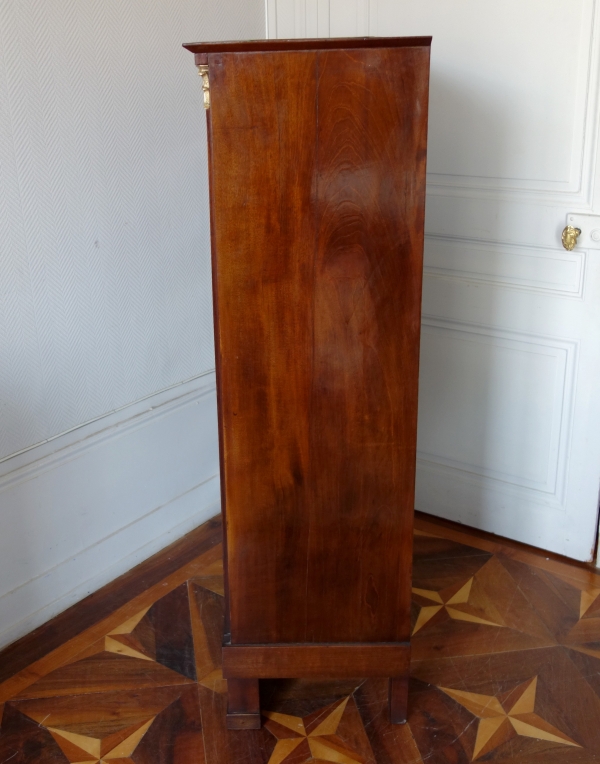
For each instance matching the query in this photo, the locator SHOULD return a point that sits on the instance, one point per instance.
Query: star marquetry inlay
(85, 749)
(310, 738)
(122, 642)
(457, 603)
(506, 716)
(589, 602)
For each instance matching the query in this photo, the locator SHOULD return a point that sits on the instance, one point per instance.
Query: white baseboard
(79, 511)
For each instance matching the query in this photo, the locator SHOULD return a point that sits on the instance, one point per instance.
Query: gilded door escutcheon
(570, 236)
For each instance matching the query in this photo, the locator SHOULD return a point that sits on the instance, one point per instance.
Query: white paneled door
(509, 437)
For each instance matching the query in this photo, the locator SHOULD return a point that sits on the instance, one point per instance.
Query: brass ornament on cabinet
(203, 72)
(570, 236)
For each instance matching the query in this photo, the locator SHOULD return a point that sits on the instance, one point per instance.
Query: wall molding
(552, 492)
(84, 508)
(497, 509)
(77, 438)
(578, 190)
(537, 269)
(320, 18)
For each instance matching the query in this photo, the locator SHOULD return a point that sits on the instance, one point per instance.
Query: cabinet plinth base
(399, 699)
(244, 665)
(243, 721)
(243, 704)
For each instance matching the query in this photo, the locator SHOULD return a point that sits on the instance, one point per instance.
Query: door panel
(508, 436)
(515, 443)
(509, 93)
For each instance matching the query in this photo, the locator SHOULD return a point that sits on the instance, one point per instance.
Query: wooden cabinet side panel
(318, 173)
(263, 134)
(372, 111)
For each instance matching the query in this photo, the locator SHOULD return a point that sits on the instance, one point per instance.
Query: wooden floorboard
(505, 668)
(101, 603)
(517, 547)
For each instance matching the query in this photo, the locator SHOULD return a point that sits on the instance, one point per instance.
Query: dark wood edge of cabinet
(281, 661)
(336, 43)
(217, 341)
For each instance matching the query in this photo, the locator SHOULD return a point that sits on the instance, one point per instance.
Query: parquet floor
(506, 668)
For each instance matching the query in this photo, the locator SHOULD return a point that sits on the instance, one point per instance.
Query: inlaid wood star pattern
(568, 602)
(465, 599)
(506, 668)
(81, 749)
(505, 716)
(454, 602)
(312, 738)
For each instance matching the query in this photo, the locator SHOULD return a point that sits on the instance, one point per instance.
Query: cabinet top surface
(336, 43)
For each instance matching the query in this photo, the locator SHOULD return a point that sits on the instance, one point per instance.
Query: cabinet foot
(398, 700)
(243, 704)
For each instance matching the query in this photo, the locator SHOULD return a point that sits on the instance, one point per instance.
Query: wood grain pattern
(398, 699)
(173, 641)
(317, 237)
(468, 692)
(583, 571)
(391, 744)
(526, 692)
(25, 742)
(55, 635)
(103, 603)
(264, 234)
(367, 296)
(335, 43)
(102, 673)
(223, 746)
(175, 736)
(144, 725)
(243, 704)
(315, 661)
(81, 645)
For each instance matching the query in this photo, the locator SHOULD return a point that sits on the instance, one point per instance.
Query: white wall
(105, 306)
(321, 18)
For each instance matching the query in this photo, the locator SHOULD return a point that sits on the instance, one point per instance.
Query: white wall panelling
(508, 99)
(515, 444)
(349, 18)
(555, 271)
(319, 18)
(466, 498)
(88, 506)
(298, 18)
(271, 16)
(105, 294)
(486, 120)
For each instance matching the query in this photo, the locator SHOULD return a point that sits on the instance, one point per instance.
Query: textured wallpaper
(104, 234)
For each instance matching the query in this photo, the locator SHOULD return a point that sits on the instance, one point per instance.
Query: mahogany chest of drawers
(317, 152)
